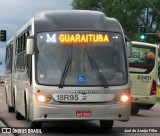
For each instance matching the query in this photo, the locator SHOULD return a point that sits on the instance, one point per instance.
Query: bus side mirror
(30, 45)
(129, 49)
(158, 61)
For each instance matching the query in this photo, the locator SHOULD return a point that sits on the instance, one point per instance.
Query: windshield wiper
(65, 72)
(98, 71)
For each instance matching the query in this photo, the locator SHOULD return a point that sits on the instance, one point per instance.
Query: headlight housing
(44, 98)
(124, 97)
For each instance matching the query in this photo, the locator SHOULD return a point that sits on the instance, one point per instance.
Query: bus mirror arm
(30, 76)
(158, 81)
(30, 45)
(128, 46)
(129, 49)
(30, 69)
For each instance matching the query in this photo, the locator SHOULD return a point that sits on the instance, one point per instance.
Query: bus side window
(21, 63)
(9, 57)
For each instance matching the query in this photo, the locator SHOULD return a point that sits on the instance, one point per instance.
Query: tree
(86, 4)
(131, 14)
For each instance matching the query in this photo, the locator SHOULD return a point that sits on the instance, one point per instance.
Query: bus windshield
(142, 59)
(80, 58)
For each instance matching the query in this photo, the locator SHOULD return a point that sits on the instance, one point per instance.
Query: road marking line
(5, 134)
(2, 124)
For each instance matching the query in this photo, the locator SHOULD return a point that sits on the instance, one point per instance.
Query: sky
(15, 13)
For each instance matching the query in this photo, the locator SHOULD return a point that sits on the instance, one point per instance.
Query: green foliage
(86, 4)
(131, 14)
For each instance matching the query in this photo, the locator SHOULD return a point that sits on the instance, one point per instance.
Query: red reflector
(153, 88)
(83, 113)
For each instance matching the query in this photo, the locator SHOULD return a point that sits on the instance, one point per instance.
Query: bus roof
(10, 40)
(74, 20)
(144, 44)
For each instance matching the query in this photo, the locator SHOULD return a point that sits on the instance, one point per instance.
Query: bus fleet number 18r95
(67, 97)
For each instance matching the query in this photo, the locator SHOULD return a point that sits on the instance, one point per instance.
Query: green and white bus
(68, 65)
(143, 67)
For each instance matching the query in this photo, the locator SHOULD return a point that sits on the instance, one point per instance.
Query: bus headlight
(43, 99)
(124, 98)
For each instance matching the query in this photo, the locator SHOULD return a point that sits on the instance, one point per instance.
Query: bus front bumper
(51, 112)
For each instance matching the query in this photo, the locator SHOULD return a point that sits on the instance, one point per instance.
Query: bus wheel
(106, 124)
(25, 108)
(36, 124)
(19, 116)
(10, 109)
(134, 109)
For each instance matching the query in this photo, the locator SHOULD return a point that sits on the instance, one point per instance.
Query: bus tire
(25, 108)
(106, 124)
(36, 124)
(14, 100)
(19, 116)
(134, 109)
(10, 109)
(6, 95)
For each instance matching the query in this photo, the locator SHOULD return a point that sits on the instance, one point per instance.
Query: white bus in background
(68, 65)
(143, 67)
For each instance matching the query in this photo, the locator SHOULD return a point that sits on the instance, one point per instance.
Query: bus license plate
(83, 113)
